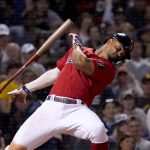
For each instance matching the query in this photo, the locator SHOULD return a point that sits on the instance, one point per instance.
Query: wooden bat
(54, 37)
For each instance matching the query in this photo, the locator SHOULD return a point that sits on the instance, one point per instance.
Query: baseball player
(80, 74)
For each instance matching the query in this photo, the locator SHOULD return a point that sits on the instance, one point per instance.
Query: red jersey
(74, 83)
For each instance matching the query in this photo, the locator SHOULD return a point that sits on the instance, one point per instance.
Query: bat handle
(34, 57)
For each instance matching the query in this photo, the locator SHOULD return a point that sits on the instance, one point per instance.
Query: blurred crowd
(124, 106)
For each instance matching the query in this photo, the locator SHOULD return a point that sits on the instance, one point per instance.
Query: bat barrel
(55, 36)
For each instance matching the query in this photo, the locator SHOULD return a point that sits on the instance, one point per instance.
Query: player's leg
(38, 128)
(7, 147)
(84, 123)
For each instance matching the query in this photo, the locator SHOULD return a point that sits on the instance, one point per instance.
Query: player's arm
(45, 80)
(81, 61)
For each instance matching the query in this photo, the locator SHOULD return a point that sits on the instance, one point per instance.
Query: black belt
(64, 100)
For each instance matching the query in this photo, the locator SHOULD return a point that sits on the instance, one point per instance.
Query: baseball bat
(54, 37)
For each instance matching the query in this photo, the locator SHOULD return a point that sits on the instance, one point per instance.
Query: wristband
(26, 90)
(77, 42)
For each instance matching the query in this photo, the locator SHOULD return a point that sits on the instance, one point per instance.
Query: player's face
(115, 50)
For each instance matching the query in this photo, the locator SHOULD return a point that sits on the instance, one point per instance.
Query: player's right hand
(76, 40)
(18, 95)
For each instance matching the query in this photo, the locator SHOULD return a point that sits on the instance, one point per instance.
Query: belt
(65, 100)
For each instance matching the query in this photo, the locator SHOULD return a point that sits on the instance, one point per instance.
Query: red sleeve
(104, 70)
(61, 62)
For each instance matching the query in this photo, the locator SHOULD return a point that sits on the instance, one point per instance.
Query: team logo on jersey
(69, 60)
(101, 65)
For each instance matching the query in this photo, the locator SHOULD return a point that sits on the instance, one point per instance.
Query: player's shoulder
(104, 63)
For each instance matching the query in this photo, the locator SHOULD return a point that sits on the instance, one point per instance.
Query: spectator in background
(84, 21)
(108, 109)
(28, 50)
(100, 99)
(40, 39)
(127, 28)
(115, 11)
(44, 58)
(7, 12)
(27, 76)
(144, 99)
(120, 3)
(46, 19)
(13, 51)
(120, 130)
(123, 81)
(5, 100)
(147, 15)
(119, 16)
(4, 39)
(28, 4)
(107, 94)
(143, 35)
(106, 30)
(104, 10)
(135, 14)
(84, 5)
(135, 132)
(60, 6)
(18, 7)
(138, 66)
(126, 142)
(94, 37)
(81, 144)
(3, 77)
(27, 32)
(29, 108)
(69, 11)
(127, 101)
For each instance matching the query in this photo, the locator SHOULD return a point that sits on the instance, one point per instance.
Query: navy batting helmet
(126, 42)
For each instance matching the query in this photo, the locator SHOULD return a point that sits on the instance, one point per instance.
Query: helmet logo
(121, 34)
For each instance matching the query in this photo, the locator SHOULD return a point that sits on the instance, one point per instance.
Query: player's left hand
(76, 40)
(18, 95)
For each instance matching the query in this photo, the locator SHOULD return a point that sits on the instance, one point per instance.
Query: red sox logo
(69, 60)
